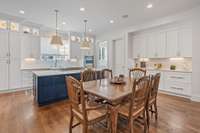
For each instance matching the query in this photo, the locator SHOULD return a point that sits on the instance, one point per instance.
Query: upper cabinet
(4, 52)
(185, 41)
(30, 46)
(172, 43)
(139, 47)
(176, 42)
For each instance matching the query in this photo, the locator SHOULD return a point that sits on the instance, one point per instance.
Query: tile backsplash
(184, 64)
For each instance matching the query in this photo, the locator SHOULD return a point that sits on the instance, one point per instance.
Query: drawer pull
(174, 77)
(177, 88)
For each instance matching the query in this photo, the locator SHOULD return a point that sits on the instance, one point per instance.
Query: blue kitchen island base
(49, 86)
(50, 89)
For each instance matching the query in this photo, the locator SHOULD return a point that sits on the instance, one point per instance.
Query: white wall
(196, 58)
(191, 15)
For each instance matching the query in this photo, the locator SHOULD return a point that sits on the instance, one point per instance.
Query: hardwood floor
(19, 114)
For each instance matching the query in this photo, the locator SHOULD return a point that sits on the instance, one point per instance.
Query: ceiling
(98, 12)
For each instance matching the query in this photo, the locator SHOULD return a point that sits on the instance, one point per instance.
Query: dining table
(112, 93)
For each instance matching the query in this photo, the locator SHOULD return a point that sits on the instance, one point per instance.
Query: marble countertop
(41, 73)
(50, 72)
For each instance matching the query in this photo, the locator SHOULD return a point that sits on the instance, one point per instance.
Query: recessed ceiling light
(111, 21)
(21, 12)
(149, 5)
(64, 23)
(82, 9)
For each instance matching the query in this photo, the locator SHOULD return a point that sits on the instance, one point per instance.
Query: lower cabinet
(49, 89)
(174, 82)
(178, 83)
(27, 79)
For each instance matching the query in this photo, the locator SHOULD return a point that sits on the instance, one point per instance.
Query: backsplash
(183, 64)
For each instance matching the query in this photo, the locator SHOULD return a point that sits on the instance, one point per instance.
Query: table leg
(113, 116)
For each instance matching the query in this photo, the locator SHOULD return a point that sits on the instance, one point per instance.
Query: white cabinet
(4, 75)
(185, 41)
(10, 60)
(14, 74)
(174, 82)
(30, 46)
(151, 45)
(165, 43)
(27, 79)
(172, 43)
(139, 46)
(178, 83)
(160, 45)
(15, 60)
(4, 44)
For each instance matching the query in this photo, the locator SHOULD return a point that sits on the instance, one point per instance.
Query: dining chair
(79, 109)
(154, 85)
(88, 75)
(137, 73)
(136, 107)
(106, 73)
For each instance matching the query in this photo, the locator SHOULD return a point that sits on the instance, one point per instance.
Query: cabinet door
(161, 45)
(15, 78)
(151, 45)
(25, 46)
(139, 46)
(172, 43)
(185, 42)
(15, 45)
(4, 75)
(4, 44)
(35, 46)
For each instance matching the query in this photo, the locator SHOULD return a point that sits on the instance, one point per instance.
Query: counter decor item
(118, 79)
(172, 67)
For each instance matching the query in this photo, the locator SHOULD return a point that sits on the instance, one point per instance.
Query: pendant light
(56, 40)
(85, 43)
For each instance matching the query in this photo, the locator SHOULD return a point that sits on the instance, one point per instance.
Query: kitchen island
(49, 86)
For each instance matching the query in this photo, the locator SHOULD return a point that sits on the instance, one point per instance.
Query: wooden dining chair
(137, 104)
(137, 73)
(88, 75)
(106, 73)
(85, 114)
(154, 85)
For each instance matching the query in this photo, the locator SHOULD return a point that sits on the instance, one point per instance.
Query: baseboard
(15, 90)
(195, 98)
(174, 94)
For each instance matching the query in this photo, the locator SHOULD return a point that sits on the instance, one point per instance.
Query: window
(3, 24)
(48, 49)
(102, 46)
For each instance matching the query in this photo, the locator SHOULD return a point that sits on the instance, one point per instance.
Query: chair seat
(92, 114)
(124, 110)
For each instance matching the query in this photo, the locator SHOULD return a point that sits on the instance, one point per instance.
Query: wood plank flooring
(19, 114)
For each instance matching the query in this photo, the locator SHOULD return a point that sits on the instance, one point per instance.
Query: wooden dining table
(114, 94)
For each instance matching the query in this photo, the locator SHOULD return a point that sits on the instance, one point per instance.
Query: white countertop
(41, 73)
(168, 70)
